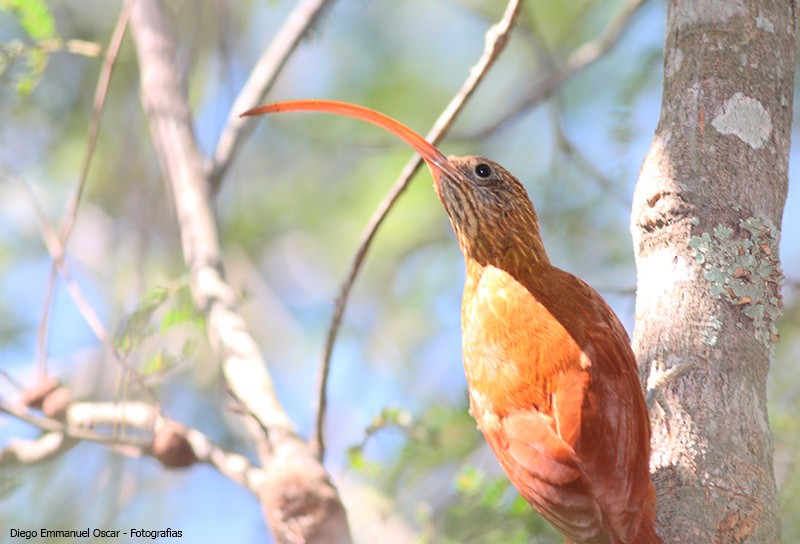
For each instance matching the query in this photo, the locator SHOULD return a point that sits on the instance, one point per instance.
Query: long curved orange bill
(434, 158)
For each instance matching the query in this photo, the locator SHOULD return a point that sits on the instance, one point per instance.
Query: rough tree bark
(706, 221)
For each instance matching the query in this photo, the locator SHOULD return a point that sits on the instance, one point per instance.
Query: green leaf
(469, 481)
(359, 462)
(176, 316)
(158, 363)
(34, 17)
(37, 21)
(495, 492)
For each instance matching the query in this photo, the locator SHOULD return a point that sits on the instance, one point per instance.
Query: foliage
(36, 19)
(473, 502)
(162, 309)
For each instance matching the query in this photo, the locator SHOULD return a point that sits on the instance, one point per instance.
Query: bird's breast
(514, 349)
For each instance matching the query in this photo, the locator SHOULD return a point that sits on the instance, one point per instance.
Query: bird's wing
(560, 404)
(615, 442)
(548, 473)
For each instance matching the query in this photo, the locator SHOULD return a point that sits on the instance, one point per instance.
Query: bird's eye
(483, 170)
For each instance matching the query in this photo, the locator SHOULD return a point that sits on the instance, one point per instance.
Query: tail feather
(648, 535)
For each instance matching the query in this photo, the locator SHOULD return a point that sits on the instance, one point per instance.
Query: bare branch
(117, 415)
(71, 213)
(22, 412)
(145, 417)
(170, 121)
(39, 450)
(582, 57)
(261, 79)
(563, 142)
(230, 464)
(83, 418)
(297, 498)
(496, 38)
(52, 425)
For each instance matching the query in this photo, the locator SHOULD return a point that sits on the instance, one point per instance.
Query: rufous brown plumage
(552, 379)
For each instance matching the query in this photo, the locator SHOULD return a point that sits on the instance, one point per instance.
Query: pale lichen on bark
(704, 12)
(746, 118)
(742, 268)
(764, 24)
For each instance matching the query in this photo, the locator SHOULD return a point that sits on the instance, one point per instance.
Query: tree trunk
(706, 222)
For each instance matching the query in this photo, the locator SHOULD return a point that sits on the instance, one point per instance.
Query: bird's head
(490, 211)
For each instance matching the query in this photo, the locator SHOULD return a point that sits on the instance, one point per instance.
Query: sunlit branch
(170, 120)
(295, 475)
(139, 422)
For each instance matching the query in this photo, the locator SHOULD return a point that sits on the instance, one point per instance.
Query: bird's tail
(647, 535)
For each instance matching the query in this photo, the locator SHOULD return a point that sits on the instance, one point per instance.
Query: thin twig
(17, 385)
(56, 251)
(579, 59)
(580, 160)
(564, 144)
(68, 222)
(496, 38)
(261, 79)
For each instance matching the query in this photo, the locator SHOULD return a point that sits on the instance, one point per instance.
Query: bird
(552, 379)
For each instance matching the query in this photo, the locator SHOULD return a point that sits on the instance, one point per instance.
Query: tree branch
(261, 79)
(83, 419)
(568, 148)
(297, 498)
(145, 417)
(39, 450)
(496, 38)
(167, 110)
(53, 425)
(579, 59)
(564, 144)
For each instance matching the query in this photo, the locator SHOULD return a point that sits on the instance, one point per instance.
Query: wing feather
(560, 404)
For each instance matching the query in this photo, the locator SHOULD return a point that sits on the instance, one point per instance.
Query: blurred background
(402, 448)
